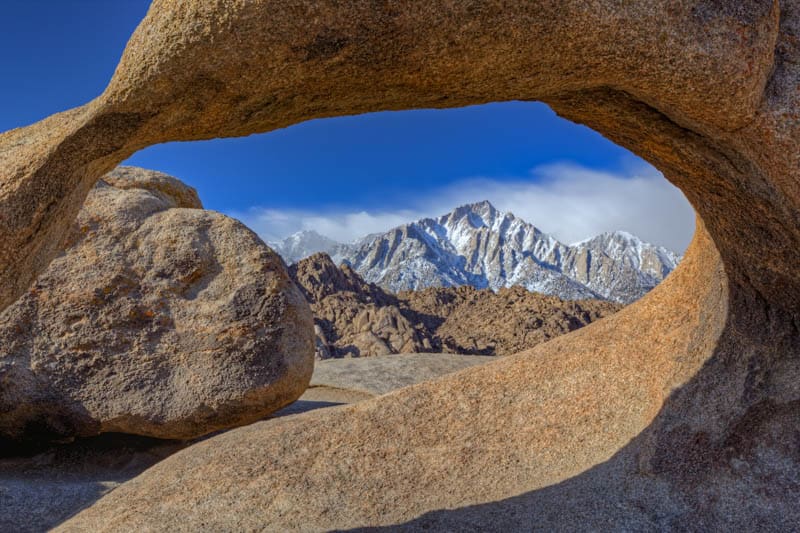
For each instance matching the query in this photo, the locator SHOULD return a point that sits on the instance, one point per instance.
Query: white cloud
(343, 226)
(568, 201)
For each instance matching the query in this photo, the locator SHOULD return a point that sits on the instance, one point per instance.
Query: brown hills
(358, 319)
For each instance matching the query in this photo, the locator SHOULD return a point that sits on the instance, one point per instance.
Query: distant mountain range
(480, 246)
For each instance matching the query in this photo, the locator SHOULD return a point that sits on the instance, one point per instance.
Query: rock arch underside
(681, 411)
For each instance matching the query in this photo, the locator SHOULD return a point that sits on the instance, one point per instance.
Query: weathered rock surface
(166, 188)
(474, 321)
(343, 381)
(39, 491)
(358, 319)
(160, 319)
(353, 318)
(685, 402)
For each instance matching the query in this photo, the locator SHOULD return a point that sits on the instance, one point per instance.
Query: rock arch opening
(697, 377)
(506, 198)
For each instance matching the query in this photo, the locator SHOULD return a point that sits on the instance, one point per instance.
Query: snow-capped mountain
(480, 246)
(303, 244)
(618, 265)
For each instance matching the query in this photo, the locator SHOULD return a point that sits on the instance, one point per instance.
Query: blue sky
(351, 175)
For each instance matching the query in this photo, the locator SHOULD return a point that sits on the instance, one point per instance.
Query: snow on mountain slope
(618, 265)
(478, 245)
(303, 244)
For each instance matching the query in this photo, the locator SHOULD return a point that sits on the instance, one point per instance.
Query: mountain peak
(305, 234)
(483, 205)
(479, 214)
(482, 208)
(616, 235)
(303, 244)
(624, 236)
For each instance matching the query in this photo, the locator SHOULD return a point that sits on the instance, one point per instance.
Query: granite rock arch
(700, 374)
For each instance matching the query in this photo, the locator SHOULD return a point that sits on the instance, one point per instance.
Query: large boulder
(160, 319)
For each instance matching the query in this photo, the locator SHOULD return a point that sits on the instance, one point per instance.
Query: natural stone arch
(699, 373)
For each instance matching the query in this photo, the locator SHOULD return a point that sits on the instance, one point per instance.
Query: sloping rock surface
(160, 319)
(381, 375)
(39, 491)
(358, 319)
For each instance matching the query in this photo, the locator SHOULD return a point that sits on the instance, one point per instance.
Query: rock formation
(358, 319)
(160, 319)
(38, 492)
(678, 411)
(474, 321)
(354, 318)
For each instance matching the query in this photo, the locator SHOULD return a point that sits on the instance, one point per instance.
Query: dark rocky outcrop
(358, 319)
(481, 322)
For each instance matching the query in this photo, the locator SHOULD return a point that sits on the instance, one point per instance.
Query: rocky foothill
(353, 318)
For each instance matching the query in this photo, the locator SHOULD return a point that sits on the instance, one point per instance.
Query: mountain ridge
(477, 244)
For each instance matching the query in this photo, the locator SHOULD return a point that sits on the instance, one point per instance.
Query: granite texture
(43, 488)
(159, 319)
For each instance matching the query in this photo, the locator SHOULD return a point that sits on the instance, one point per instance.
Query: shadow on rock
(688, 470)
(42, 488)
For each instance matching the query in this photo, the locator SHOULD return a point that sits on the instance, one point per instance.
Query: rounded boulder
(159, 319)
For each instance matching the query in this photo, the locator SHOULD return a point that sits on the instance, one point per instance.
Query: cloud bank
(568, 201)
